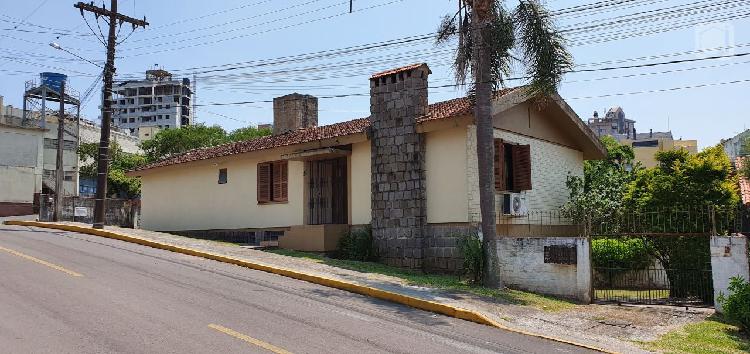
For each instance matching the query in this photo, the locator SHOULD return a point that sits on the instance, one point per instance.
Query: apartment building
(160, 101)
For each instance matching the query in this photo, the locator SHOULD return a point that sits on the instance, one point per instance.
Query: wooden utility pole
(115, 18)
(59, 168)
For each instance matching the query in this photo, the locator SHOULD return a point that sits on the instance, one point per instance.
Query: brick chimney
(294, 111)
(398, 98)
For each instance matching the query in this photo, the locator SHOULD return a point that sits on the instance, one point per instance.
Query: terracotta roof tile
(396, 70)
(744, 181)
(441, 110)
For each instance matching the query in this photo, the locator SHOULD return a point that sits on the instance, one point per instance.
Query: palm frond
(545, 57)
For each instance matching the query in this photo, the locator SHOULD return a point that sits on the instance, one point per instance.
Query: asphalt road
(63, 292)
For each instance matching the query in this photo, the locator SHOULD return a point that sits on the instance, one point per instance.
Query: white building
(144, 107)
(28, 157)
(733, 145)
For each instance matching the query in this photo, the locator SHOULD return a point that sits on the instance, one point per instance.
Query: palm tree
(487, 35)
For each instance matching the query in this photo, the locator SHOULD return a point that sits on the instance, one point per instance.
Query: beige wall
(360, 190)
(445, 172)
(188, 197)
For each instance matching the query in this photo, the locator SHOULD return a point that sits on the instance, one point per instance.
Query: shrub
(473, 253)
(613, 253)
(357, 245)
(737, 304)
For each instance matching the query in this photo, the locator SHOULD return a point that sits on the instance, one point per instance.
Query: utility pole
(60, 170)
(115, 18)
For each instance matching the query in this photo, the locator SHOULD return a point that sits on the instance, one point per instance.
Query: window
(273, 182)
(166, 116)
(123, 120)
(132, 120)
(223, 176)
(512, 167)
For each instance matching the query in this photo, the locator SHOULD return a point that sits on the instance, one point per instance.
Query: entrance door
(327, 200)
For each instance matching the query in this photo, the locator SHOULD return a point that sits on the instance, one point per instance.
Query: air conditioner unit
(514, 204)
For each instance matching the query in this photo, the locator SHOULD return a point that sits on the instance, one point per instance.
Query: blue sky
(200, 37)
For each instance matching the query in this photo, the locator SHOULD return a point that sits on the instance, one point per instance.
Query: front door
(327, 201)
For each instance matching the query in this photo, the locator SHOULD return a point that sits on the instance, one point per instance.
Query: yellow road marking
(37, 260)
(267, 346)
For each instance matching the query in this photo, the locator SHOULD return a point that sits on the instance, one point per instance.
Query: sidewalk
(609, 327)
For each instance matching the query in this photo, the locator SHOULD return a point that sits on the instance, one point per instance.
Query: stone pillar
(729, 258)
(294, 111)
(397, 98)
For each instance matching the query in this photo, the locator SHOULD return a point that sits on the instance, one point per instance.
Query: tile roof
(744, 181)
(396, 70)
(440, 110)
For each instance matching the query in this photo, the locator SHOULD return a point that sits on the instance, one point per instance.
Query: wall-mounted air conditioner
(514, 204)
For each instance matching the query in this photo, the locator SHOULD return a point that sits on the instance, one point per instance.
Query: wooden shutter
(264, 182)
(521, 167)
(280, 181)
(499, 163)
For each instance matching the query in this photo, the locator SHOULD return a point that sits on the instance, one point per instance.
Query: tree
(689, 194)
(597, 197)
(248, 133)
(119, 162)
(170, 142)
(487, 33)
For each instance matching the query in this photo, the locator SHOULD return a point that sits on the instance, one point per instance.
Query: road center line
(265, 345)
(37, 260)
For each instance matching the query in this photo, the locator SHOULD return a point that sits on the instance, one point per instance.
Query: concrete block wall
(729, 258)
(522, 267)
(441, 246)
(397, 164)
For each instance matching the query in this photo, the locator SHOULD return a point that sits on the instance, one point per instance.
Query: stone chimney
(294, 111)
(398, 98)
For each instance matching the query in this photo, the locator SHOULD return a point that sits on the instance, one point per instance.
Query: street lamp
(59, 47)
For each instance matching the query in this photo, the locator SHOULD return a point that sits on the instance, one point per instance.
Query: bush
(357, 245)
(631, 253)
(473, 253)
(737, 304)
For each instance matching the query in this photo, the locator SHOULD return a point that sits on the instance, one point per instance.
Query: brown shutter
(264, 182)
(280, 181)
(499, 163)
(521, 167)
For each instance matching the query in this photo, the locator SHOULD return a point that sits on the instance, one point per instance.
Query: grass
(439, 281)
(714, 335)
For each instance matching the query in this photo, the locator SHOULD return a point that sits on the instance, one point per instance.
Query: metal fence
(119, 212)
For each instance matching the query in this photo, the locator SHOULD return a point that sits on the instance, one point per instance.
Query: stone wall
(441, 246)
(397, 99)
(294, 111)
(522, 267)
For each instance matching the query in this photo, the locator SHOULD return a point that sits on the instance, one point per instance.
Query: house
(409, 170)
(734, 146)
(744, 182)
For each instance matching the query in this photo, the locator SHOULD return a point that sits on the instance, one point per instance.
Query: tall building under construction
(144, 107)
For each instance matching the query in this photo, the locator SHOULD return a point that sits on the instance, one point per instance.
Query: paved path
(65, 292)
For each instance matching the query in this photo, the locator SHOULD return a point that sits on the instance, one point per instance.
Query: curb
(431, 306)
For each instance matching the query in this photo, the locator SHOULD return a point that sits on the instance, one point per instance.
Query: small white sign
(81, 211)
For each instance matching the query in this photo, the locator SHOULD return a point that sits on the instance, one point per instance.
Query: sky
(252, 51)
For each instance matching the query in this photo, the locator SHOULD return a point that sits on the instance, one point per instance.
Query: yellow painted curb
(443, 309)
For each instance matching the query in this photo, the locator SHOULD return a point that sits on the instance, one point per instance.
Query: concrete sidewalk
(610, 328)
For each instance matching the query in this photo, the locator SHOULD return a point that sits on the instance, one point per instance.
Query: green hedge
(632, 253)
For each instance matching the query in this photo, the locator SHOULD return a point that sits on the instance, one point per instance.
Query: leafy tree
(487, 33)
(120, 162)
(691, 192)
(170, 142)
(247, 133)
(597, 197)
